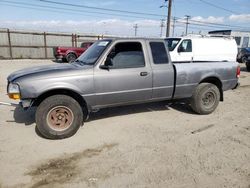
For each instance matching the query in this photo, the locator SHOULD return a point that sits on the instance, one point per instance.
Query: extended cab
(70, 54)
(115, 72)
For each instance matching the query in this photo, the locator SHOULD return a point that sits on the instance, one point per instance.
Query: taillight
(238, 72)
(58, 51)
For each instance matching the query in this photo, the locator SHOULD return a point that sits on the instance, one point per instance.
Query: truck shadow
(27, 117)
(24, 116)
(58, 61)
(140, 108)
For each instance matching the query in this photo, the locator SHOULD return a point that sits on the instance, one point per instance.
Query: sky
(116, 17)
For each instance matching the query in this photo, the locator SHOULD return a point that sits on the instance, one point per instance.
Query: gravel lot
(149, 145)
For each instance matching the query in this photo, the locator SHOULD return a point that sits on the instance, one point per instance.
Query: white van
(202, 48)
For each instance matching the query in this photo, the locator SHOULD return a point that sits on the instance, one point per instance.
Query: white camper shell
(202, 48)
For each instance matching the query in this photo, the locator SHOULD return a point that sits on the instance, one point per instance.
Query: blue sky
(47, 16)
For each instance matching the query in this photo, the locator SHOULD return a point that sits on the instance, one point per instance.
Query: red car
(70, 54)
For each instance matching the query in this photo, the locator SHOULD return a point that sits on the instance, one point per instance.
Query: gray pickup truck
(113, 73)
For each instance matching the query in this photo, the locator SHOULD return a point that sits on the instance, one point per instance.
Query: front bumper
(27, 103)
(59, 56)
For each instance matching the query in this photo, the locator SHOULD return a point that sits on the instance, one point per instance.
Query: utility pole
(173, 26)
(169, 17)
(136, 27)
(162, 25)
(187, 18)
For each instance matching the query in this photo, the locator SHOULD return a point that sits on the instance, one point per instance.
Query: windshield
(172, 43)
(90, 56)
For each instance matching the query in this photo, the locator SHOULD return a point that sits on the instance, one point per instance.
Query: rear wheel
(248, 66)
(205, 98)
(71, 57)
(244, 59)
(59, 116)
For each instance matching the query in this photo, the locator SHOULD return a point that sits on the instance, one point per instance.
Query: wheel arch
(67, 92)
(70, 52)
(216, 81)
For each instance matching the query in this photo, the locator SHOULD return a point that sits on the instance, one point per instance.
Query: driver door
(128, 78)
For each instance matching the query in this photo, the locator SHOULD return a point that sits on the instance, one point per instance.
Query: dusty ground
(151, 145)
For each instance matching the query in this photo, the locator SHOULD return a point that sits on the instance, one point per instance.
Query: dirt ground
(149, 145)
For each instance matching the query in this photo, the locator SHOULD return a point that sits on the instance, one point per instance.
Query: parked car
(244, 57)
(70, 54)
(243, 54)
(248, 64)
(115, 72)
(201, 49)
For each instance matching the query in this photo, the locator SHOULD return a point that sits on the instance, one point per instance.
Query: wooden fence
(16, 44)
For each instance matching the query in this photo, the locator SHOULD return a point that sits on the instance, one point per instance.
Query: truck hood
(41, 69)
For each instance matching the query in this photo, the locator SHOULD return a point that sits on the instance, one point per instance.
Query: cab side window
(185, 46)
(126, 55)
(159, 53)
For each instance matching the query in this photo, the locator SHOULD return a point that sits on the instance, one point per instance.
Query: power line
(77, 11)
(218, 7)
(191, 27)
(112, 14)
(97, 8)
(206, 25)
(215, 24)
(68, 9)
(40, 9)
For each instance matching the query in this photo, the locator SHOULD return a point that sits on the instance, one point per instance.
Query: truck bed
(189, 75)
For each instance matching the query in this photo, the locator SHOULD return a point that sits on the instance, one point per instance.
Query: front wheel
(59, 116)
(71, 57)
(205, 98)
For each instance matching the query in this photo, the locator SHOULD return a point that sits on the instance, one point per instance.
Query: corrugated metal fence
(16, 44)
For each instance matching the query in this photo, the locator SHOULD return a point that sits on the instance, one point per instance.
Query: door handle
(143, 73)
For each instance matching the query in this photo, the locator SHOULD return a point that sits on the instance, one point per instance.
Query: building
(241, 37)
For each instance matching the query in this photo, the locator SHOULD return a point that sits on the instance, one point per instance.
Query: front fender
(32, 88)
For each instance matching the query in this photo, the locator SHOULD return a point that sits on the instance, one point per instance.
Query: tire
(205, 98)
(248, 66)
(244, 59)
(59, 116)
(71, 57)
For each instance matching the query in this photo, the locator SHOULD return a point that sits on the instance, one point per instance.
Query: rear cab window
(159, 53)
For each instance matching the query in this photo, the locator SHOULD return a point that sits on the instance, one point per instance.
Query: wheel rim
(60, 118)
(71, 58)
(208, 99)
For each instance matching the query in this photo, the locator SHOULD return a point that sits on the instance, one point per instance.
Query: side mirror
(104, 67)
(108, 61)
(107, 64)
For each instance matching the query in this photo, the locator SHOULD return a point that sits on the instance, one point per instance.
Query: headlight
(13, 91)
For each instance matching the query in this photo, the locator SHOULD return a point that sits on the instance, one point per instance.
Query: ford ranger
(115, 72)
